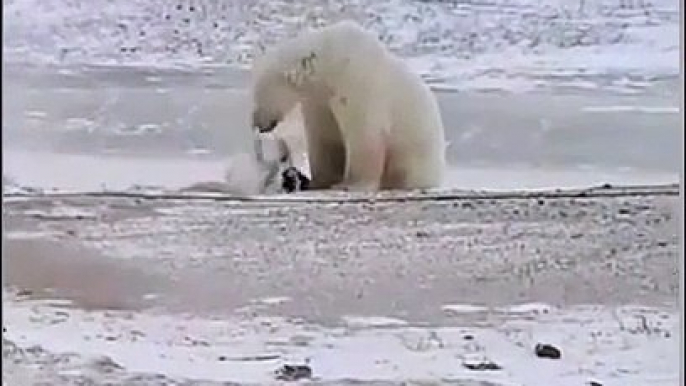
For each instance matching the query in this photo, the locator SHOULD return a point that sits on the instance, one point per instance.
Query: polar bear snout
(267, 128)
(263, 122)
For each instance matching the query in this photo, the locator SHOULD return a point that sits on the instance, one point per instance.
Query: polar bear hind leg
(404, 173)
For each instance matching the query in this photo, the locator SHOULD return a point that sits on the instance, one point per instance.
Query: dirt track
(390, 258)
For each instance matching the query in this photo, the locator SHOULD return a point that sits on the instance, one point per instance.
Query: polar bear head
(281, 77)
(273, 99)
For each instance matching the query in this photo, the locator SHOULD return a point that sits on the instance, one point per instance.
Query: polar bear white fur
(370, 123)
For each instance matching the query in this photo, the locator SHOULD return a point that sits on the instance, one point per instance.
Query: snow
(372, 321)
(463, 308)
(79, 173)
(614, 345)
(528, 308)
(276, 300)
(507, 44)
(639, 109)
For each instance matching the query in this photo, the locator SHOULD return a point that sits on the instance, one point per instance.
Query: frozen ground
(79, 173)
(149, 349)
(109, 289)
(463, 44)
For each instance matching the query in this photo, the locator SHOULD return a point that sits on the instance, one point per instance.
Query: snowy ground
(612, 345)
(79, 173)
(109, 289)
(474, 44)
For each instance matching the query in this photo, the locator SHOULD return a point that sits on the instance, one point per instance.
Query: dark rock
(468, 337)
(24, 292)
(293, 372)
(106, 364)
(292, 180)
(422, 234)
(485, 365)
(594, 383)
(547, 351)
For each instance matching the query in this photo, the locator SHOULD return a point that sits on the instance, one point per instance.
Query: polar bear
(370, 122)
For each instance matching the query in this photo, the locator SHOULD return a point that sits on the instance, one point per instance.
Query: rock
(594, 383)
(422, 234)
(480, 364)
(24, 292)
(106, 364)
(292, 180)
(274, 156)
(547, 351)
(293, 372)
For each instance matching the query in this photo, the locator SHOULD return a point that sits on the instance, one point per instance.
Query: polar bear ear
(308, 63)
(303, 70)
(258, 51)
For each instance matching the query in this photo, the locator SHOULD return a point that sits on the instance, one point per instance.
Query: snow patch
(614, 345)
